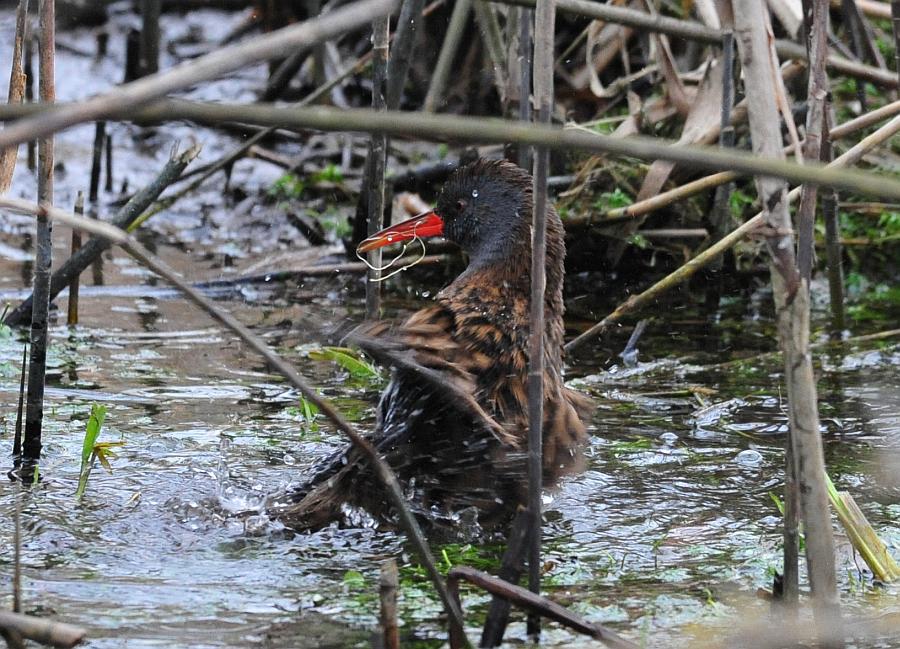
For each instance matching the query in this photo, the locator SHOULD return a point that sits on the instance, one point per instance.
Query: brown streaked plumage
(453, 421)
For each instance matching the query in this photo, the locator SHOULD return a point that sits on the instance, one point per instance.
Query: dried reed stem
(210, 66)
(34, 401)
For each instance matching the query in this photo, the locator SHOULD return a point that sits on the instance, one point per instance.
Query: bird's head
(485, 207)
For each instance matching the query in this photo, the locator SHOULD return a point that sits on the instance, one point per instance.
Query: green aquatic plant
(349, 359)
(611, 200)
(92, 450)
(862, 535)
(330, 174)
(5, 330)
(287, 186)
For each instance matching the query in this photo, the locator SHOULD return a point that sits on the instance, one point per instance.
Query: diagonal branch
(157, 265)
(210, 66)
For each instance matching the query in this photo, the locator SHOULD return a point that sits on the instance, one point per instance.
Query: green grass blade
(91, 433)
(347, 359)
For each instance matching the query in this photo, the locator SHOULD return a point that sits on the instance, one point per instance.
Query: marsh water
(671, 527)
(666, 536)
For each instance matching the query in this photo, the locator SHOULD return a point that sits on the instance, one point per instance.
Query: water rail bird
(453, 421)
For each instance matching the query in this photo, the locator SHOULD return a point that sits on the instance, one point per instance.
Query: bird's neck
(498, 281)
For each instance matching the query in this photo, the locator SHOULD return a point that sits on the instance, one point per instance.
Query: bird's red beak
(426, 224)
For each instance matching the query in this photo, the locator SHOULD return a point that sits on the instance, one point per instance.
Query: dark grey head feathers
(486, 208)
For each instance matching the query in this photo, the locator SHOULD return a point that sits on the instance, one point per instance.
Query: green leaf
(347, 359)
(88, 447)
(354, 579)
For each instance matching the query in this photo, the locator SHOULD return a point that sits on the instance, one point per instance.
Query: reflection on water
(671, 526)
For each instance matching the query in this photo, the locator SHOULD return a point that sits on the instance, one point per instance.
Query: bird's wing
(425, 347)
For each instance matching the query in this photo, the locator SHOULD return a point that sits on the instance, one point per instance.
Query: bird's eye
(460, 205)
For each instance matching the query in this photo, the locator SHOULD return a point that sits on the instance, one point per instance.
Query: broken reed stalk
(535, 604)
(355, 68)
(108, 186)
(29, 90)
(210, 66)
(816, 21)
(475, 129)
(816, 18)
(124, 218)
(150, 36)
(694, 31)
(449, 48)
(664, 199)
(378, 161)
(895, 25)
(96, 163)
(17, 551)
(526, 54)
(280, 79)
(382, 470)
(544, 31)
(72, 310)
(37, 366)
(792, 304)
(833, 253)
(388, 587)
(721, 210)
(510, 571)
(408, 23)
(489, 27)
(687, 270)
(41, 630)
(863, 536)
(16, 93)
(20, 411)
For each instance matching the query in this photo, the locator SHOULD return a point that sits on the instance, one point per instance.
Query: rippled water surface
(670, 529)
(666, 536)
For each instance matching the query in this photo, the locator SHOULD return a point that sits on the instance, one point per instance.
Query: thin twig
(792, 305)
(20, 410)
(489, 27)
(685, 272)
(125, 219)
(544, 30)
(474, 129)
(833, 252)
(72, 310)
(408, 24)
(510, 570)
(539, 605)
(16, 93)
(663, 199)
(210, 66)
(382, 469)
(43, 631)
(816, 18)
(378, 160)
(691, 30)
(389, 585)
(34, 401)
(441, 73)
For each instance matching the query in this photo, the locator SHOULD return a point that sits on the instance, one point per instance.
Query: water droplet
(390, 238)
(474, 193)
(669, 438)
(749, 457)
